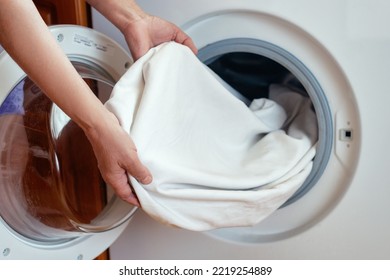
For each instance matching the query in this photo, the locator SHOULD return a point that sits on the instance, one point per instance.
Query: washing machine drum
(53, 201)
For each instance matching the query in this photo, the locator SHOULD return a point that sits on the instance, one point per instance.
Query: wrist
(119, 13)
(97, 122)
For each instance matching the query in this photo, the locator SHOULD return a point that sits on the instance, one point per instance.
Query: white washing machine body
(30, 229)
(339, 52)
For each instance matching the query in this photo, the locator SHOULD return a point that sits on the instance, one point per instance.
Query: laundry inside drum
(251, 75)
(51, 189)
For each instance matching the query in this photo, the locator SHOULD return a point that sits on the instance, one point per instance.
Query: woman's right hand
(149, 31)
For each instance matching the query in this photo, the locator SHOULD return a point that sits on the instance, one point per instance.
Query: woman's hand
(141, 30)
(149, 31)
(117, 157)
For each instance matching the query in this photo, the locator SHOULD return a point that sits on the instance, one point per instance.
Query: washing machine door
(53, 201)
(261, 49)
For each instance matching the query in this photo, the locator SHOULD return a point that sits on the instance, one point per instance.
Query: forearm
(29, 42)
(119, 12)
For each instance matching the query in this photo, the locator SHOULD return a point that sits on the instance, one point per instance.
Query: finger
(184, 39)
(137, 170)
(120, 183)
(132, 199)
(138, 51)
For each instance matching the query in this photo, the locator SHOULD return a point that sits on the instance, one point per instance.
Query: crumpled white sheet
(215, 162)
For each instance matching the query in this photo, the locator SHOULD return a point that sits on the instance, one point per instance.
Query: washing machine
(334, 51)
(53, 201)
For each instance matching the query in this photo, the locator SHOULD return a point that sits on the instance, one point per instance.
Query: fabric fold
(215, 161)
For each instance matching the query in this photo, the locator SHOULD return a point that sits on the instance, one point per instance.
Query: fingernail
(132, 199)
(135, 203)
(147, 180)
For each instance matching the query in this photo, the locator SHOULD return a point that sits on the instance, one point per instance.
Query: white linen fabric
(215, 161)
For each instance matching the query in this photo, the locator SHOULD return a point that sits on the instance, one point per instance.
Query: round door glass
(51, 189)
